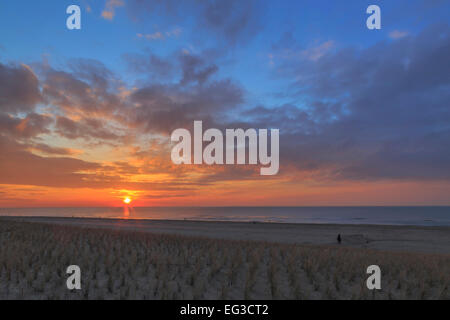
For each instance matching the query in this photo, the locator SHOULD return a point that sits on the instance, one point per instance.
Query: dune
(140, 260)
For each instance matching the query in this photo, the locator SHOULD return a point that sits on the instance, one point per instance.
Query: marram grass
(136, 265)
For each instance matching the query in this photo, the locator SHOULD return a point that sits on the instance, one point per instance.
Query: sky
(86, 115)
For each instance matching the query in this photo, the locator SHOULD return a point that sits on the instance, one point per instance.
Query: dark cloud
(87, 128)
(157, 68)
(163, 108)
(235, 20)
(378, 113)
(18, 166)
(195, 69)
(93, 72)
(179, 89)
(28, 127)
(19, 89)
(184, 67)
(88, 89)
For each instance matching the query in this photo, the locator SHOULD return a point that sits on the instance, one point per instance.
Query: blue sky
(32, 31)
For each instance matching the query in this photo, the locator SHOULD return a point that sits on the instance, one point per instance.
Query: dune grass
(134, 265)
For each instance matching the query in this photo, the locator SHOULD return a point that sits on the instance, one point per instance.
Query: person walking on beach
(339, 239)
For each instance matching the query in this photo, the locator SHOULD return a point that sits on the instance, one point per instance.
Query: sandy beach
(150, 259)
(386, 238)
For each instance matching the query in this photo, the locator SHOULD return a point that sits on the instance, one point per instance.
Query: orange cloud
(110, 9)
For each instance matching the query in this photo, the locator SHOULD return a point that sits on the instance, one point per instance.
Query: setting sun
(127, 200)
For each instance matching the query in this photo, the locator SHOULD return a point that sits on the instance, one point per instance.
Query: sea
(418, 216)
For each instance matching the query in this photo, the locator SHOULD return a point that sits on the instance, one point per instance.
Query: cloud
(109, 11)
(375, 113)
(163, 108)
(236, 20)
(317, 52)
(288, 49)
(86, 128)
(164, 195)
(185, 67)
(159, 35)
(84, 100)
(19, 90)
(191, 91)
(151, 65)
(397, 34)
(174, 33)
(196, 69)
(92, 71)
(233, 21)
(27, 127)
(87, 88)
(50, 150)
(21, 167)
(153, 36)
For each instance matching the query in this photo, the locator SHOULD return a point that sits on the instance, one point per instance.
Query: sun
(127, 200)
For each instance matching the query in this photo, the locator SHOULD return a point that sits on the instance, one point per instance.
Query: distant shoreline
(425, 239)
(396, 216)
(220, 221)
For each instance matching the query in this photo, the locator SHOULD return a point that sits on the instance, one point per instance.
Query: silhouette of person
(339, 239)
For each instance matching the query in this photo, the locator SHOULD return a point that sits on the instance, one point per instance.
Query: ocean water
(420, 216)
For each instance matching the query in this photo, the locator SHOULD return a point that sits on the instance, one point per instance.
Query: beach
(380, 237)
(157, 259)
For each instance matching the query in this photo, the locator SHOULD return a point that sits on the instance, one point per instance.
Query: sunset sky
(86, 115)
